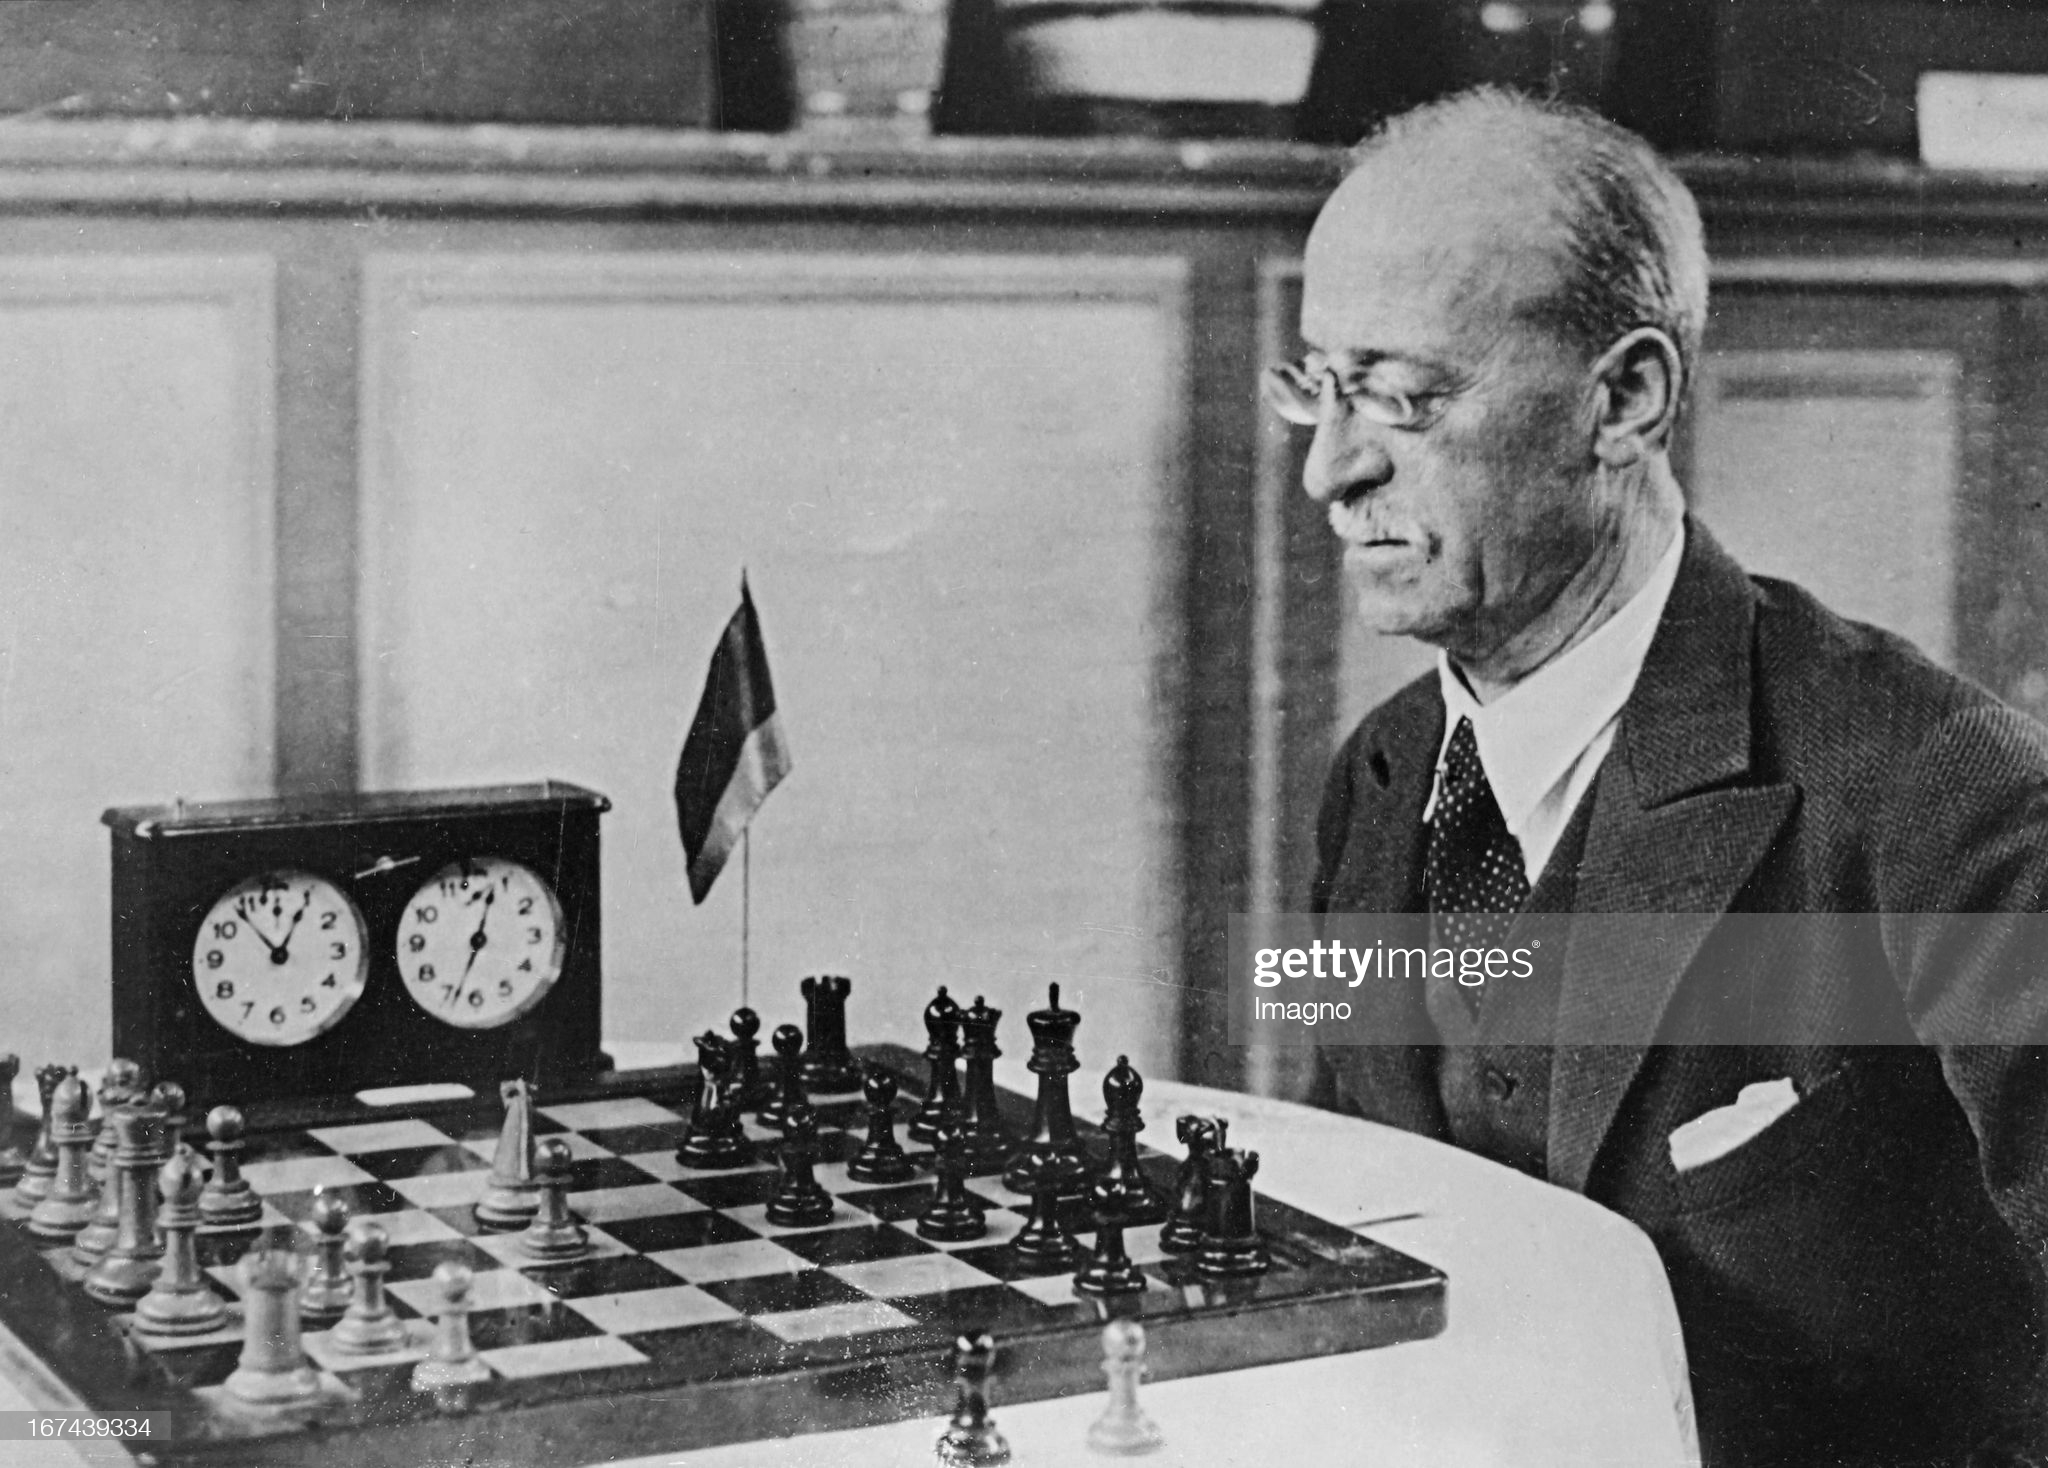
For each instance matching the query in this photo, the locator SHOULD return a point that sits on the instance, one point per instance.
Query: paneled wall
(411, 456)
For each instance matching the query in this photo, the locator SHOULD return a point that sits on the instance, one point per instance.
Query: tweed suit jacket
(1862, 1282)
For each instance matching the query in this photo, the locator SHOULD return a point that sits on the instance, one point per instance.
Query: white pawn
(451, 1360)
(1123, 1428)
(370, 1326)
(328, 1288)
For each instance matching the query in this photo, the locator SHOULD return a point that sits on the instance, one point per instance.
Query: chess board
(694, 1321)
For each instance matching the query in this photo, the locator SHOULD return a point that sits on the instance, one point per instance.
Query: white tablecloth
(1563, 1345)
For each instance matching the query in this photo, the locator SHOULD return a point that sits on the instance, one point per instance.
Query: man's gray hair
(1626, 227)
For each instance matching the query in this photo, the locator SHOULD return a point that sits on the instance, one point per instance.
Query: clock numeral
(224, 990)
(533, 935)
(225, 929)
(426, 974)
(447, 991)
(215, 958)
(328, 982)
(426, 914)
(277, 1015)
(525, 906)
(306, 1004)
(476, 999)
(416, 943)
(526, 966)
(337, 950)
(247, 1006)
(504, 988)
(327, 921)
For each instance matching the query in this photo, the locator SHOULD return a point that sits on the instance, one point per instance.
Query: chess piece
(169, 1098)
(716, 1137)
(1109, 1270)
(451, 1359)
(981, 1124)
(511, 1197)
(41, 1165)
(750, 1089)
(787, 1042)
(1045, 1243)
(1052, 1147)
(227, 1200)
(554, 1233)
(954, 1215)
(181, 1302)
(1233, 1246)
(328, 1287)
(1123, 1428)
(828, 1066)
(273, 1370)
(71, 1201)
(1183, 1232)
(882, 1158)
(971, 1439)
(800, 1201)
(942, 1054)
(133, 1260)
(1140, 1201)
(370, 1325)
(121, 1084)
(12, 1162)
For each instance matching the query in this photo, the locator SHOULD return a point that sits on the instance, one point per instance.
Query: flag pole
(746, 908)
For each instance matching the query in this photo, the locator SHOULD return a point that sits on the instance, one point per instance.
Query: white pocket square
(1718, 1132)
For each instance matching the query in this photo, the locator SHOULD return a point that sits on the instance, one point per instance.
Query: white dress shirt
(1542, 741)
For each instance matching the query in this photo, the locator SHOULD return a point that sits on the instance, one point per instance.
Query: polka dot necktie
(1474, 875)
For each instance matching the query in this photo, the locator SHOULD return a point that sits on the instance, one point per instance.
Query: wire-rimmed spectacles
(1295, 391)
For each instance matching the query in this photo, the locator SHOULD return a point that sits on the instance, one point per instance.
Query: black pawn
(1109, 1270)
(800, 1201)
(942, 1054)
(1139, 1201)
(828, 1066)
(1233, 1246)
(1185, 1231)
(981, 1122)
(788, 1042)
(970, 1439)
(751, 1090)
(954, 1215)
(716, 1138)
(1044, 1242)
(882, 1159)
(1052, 1145)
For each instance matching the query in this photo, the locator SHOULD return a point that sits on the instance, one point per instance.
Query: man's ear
(1641, 379)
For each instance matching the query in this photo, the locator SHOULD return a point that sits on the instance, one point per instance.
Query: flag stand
(746, 908)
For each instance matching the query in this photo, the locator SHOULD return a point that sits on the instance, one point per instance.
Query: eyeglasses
(1295, 391)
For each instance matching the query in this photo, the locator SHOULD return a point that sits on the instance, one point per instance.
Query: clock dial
(481, 943)
(280, 958)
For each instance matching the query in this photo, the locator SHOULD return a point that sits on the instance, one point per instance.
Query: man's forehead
(1403, 260)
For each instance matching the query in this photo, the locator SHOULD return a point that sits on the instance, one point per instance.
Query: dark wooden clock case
(170, 863)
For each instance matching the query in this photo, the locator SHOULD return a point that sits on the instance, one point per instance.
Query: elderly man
(1504, 302)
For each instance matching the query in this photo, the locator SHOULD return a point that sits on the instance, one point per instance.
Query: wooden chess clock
(315, 946)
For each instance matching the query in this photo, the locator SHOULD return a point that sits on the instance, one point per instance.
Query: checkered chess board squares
(685, 1275)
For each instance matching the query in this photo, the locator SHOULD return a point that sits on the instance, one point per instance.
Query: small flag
(734, 754)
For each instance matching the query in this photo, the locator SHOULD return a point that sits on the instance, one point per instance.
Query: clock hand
(283, 950)
(476, 944)
(277, 952)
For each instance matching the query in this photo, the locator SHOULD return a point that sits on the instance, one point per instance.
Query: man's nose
(1345, 459)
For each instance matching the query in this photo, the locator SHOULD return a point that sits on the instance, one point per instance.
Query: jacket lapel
(1391, 768)
(1678, 825)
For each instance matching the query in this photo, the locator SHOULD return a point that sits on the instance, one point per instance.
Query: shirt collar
(1530, 736)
